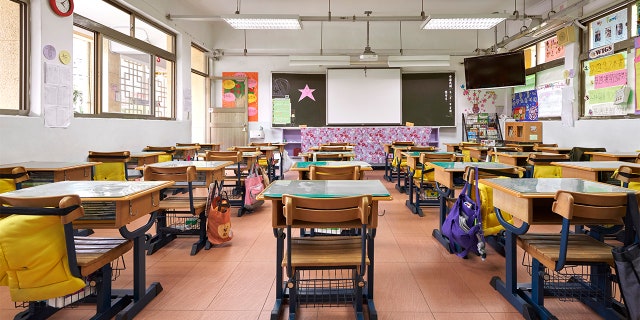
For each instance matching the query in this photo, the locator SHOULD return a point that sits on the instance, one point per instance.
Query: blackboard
(428, 99)
(305, 111)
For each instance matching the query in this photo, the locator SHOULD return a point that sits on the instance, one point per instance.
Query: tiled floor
(415, 278)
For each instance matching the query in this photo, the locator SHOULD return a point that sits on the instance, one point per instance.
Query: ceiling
(339, 27)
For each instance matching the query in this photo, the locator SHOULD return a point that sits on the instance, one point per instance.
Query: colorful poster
(553, 50)
(525, 106)
(233, 92)
(550, 99)
(607, 64)
(610, 29)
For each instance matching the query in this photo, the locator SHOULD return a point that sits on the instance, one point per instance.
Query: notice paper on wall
(57, 95)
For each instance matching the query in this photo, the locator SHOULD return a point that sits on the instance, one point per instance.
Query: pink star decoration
(306, 92)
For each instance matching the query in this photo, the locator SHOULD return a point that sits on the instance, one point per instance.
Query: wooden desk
(589, 170)
(112, 205)
(515, 158)
(141, 158)
(322, 188)
(413, 160)
(389, 151)
(212, 170)
(530, 200)
(317, 148)
(54, 171)
(303, 166)
(554, 150)
(186, 153)
(613, 156)
(448, 176)
(477, 153)
(209, 147)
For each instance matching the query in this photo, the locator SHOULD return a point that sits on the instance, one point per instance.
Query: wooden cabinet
(525, 131)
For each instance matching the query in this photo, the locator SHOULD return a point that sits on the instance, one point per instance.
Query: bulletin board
(298, 99)
(602, 78)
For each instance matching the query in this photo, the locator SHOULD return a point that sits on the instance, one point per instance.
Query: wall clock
(63, 8)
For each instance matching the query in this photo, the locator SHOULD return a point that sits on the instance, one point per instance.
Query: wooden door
(228, 126)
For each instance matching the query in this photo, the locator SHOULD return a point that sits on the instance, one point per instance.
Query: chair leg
(293, 297)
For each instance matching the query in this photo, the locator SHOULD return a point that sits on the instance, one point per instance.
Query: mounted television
(493, 71)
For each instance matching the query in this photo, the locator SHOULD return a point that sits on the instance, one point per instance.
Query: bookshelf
(480, 127)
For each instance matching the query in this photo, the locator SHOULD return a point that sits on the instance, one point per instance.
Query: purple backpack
(462, 226)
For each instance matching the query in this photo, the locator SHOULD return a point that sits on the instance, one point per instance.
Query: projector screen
(364, 96)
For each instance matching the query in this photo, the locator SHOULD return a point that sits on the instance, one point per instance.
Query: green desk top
(306, 164)
(460, 166)
(326, 188)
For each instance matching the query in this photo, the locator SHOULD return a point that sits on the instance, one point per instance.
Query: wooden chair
(338, 144)
(330, 157)
(11, 178)
(113, 166)
(541, 167)
(335, 173)
(334, 148)
(493, 150)
(542, 145)
(585, 258)
(179, 214)
(49, 262)
(314, 263)
(578, 153)
(424, 180)
(169, 152)
(629, 176)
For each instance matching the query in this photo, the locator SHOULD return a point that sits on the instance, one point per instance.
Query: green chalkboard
(428, 99)
(309, 109)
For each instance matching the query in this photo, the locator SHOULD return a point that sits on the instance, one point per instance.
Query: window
(607, 64)
(200, 88)
(14, 64)
(134, 58)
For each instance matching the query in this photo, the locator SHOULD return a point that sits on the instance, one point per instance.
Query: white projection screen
(364, 96)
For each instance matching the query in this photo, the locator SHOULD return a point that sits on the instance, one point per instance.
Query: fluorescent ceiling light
(419, 61)
(461, 21)
(319, 60)
(262, 21)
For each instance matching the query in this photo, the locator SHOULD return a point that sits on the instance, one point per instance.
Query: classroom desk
(317, 148)
(589, 170)
(303, 166)
(413, 161)
(268, 153)
(478, 153)
(613, 156)
(554, 150)
(312, 155)
(448, 176)
(389, 150)
(515, 158)
(212, 170)
(322, 188)
(530, 200)
(186, 153)
(112, 205)
(140, 159)
(54, 171)
(209, 146)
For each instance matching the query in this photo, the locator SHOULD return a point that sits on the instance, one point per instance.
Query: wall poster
(233, 92)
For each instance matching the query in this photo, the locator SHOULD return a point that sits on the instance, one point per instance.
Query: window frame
(624, 45)
(100, 33)
(24, 107)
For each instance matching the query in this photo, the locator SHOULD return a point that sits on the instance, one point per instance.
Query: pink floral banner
(368, 141)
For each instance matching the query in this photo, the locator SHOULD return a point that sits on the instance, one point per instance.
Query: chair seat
(581, 249)
(182, 203)
(325, 251)
(92, 252)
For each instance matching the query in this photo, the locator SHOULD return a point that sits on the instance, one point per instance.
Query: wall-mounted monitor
(493, 71)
